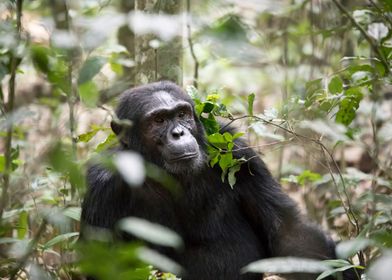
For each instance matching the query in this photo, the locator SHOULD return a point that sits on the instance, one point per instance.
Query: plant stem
(9, 108)
(190, 42)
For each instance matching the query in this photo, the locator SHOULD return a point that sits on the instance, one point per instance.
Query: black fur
(223, 229)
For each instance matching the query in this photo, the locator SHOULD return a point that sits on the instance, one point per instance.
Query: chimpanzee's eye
(181, 114)
(158, 120)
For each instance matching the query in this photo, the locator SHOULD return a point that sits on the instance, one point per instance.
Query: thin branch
(9, 108)
(346, 203)
(370, 40)
(190, 42)
(263, 145)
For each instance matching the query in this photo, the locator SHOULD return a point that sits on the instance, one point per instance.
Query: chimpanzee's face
(168, 130)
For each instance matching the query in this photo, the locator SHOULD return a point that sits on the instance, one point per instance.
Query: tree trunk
(151, 64)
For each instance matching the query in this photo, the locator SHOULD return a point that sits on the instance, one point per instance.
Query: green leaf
(218, 140)
(208, 107)
(251, 99)
(231, 175)
(117, 68)
(86, 137)
(348, 106)
(40, 57)
(90, 68)
(58, 239)
(228, 137)
(229, 27)
(59, 75)
(23, 225)
(308, 176)
(109, 142)
(335, 86)
(226, 160)
(238, 135)
(387, 4)
(2, 163)
(210, 125)
(62, 160)
(123, 262)
(214, 160)
(325, 105)
(214, 155)
(89, 93)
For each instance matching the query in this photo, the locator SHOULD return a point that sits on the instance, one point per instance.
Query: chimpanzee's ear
(120, 128)
(116, 127)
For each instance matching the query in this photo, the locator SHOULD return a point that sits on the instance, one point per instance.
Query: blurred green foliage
(307, 82)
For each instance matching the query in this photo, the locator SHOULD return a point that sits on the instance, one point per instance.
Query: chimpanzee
(223, 229)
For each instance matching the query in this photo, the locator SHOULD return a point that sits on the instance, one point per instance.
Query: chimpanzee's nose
(177, 132)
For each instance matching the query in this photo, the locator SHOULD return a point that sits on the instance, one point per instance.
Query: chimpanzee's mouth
(183, 157)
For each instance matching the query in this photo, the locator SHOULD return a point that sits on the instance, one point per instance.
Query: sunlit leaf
(308, 176)
(378, 30)
(151, 232)
(158, 260)
(23, 224)
(131, 167)
(286, 265)
(2, 163)
(86, 137)
(109, 142)
(346, 249)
